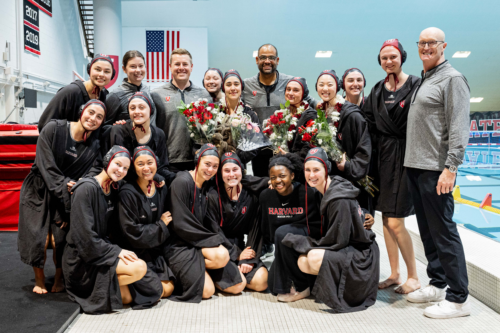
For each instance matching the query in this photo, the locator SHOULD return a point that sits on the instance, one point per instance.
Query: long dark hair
(131, 54)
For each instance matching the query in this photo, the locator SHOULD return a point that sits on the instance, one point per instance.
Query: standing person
(196, 245)
(346, 257)
(264, 93)
(438, 132)
(386, 111)
(134, 66)
(65, 152)
(68, 100)
(236, 209)
(167, 98)
(96, 272)
(138, 131)
(354, 136)
(143, 220)
(212, 82)
(289, 208)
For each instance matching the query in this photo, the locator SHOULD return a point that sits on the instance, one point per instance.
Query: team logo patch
(296, 78)
(402, 104)
(231, 70)
(254, 93)
(325, 71)
(360, 212)
(167, 98)
(313, 151)
(390, 40)
(210, 145)
(244, 210)
(340, 136)
(228, 154)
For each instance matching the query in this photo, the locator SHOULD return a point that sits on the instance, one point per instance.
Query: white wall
(62, 51)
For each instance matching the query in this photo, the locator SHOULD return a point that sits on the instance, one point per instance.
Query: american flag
(157, 42)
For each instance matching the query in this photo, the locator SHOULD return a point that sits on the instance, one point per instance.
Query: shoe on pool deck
(427, 294)
(294, 295)
(446, 309)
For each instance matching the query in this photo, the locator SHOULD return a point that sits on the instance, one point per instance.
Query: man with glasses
(437, 135)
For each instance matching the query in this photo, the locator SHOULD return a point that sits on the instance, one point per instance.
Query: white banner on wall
(157, 43)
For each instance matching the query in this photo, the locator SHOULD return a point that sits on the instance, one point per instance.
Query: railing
(86, 9)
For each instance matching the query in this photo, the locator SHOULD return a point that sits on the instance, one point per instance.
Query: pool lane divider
(485, 204)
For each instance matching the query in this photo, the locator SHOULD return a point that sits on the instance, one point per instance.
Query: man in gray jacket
(437, 135)
(167, 98)
(264, 93)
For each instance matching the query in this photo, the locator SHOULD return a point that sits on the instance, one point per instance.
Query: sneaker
(446, 309)
(294, 295)
(427, 294)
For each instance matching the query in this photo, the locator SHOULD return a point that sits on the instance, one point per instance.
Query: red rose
(338, 107)
(207, 115)
(310, 123)
(306, 137)
(274, 119)
(336, 124)
(212, 105)
(291, 128)
(280, 115)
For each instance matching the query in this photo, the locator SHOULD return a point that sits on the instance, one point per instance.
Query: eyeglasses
(271, 58)
(432, 44)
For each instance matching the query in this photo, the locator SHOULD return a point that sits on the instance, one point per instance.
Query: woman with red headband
(96, 272)
(345, 257)
(138, 131)
(288, 208)
(143, 220)
(66, 103)
(236, 210)
(196, 245)
(65, 152)
(386, 111)
(354, 137)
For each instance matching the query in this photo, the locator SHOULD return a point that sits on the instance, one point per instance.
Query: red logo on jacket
(402, 104)
(254, 93)
(244, 210)
(167, 98)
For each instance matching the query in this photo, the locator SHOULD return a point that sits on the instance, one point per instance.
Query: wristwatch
(451, 168)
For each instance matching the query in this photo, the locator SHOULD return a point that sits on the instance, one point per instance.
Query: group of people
(135, 211)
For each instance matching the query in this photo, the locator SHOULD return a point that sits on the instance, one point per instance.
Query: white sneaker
(427, 294)
(294, 295)
(446, 309)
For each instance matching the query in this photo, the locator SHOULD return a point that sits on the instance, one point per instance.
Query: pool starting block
(486, 204)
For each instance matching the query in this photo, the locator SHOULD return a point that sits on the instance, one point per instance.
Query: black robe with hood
(90, 259)
(354, 137)
(388, 132)
(238, 220)
(67, 102)
(190, 232)
(298, 146)
(123, 135)
(138, 232)
(348, 278)
(44, 197)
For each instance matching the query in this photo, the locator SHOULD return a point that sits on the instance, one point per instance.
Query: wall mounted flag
(159, 46)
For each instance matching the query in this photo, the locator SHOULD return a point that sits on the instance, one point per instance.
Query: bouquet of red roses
(202, 119)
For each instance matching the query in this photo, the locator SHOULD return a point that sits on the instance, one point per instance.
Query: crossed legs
(39, 272)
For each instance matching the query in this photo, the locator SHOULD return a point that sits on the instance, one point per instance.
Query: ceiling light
(255, 53)
(476, 99)
(461, 54)
(323, 54)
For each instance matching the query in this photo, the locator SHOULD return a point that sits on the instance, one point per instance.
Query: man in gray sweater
(167, 98)
(437, 135)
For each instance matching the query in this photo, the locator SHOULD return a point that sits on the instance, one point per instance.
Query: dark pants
(442, 244)
(285, 269)
(182, 166)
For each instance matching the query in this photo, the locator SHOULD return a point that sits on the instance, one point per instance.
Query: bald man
(437, 135)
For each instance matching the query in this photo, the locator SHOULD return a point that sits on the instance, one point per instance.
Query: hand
(63, 224)
(166, 218)
(246, 254)
(127, 255)
(70, 185)
(245, 268)
(282, 151)
(445, 182)
(270, 185)
(120, 122)
(161, 184)
(341, 165)
(369, 221)
(319, 106)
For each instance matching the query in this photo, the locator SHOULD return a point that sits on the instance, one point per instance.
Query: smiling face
(145, 167)
(135, 70)
(354, 83)
(181, 67)
(118, 168)
(92, 117)
(267, 61)
(232, 87)
(390, 60)
(100, 73)
(432, 56)
(327, 87)
(293, 93)
(231, 174)
(207, 168)
(212, 82)
(139, 111)
(315, 174)
(281, 179)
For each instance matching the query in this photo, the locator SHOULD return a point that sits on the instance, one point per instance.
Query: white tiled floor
(257, 312)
